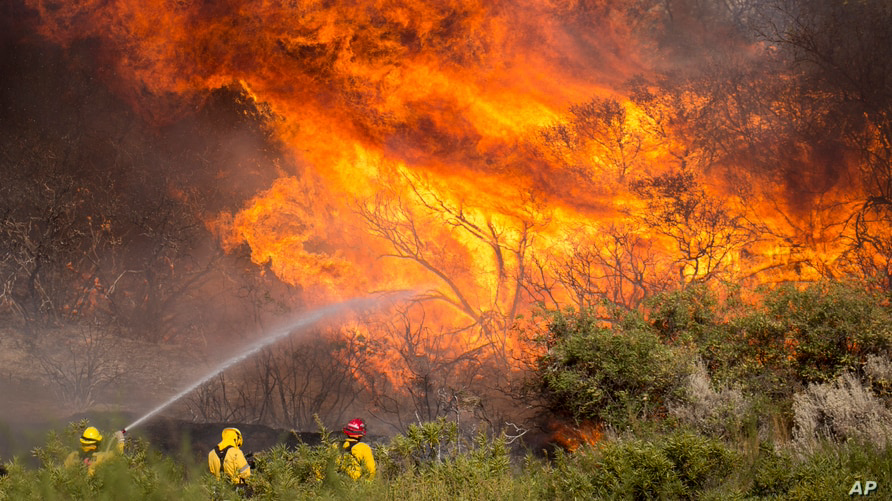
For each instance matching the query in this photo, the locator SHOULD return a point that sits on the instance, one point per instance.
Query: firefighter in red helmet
(356, 459)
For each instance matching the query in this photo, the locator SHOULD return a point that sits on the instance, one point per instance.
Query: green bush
(617, 375)
(826, 474)
(819, 332)
(697, 317)
(699, 461)
(685, 315)
(424, 444)
(786, 339)
(436, 454)
(772, 473)
(140, 474)
(676, 466)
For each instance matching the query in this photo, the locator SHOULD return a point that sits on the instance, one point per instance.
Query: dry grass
(714, 412)
(840, 411)
(879, 372)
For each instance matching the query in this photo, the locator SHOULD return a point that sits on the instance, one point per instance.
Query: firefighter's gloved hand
(119, 436)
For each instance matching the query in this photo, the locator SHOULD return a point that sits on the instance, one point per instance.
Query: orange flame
(449, 145)
(572, 438)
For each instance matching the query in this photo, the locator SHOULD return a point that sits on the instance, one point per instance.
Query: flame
(571, 438)
(447, 146)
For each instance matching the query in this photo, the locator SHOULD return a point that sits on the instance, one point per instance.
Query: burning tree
(705, 232)
(837, 97)
(616, 265)
(433, 231)
(601, 139)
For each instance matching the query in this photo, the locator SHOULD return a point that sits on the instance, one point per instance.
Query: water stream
(305, 320)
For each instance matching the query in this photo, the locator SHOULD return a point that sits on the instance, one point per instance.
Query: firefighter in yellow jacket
(227, 458)
(90, 455)
(356, 459)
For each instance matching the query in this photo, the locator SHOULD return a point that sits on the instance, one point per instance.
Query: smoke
(288, 328)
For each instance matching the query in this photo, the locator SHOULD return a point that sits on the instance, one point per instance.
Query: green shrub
(699, 461)
(637, 469)
(424, 444)
(140, 474)
(615, 375)
(685, 315)
(772, 472)
(434, 461)
(697, 317)
(432, 445)
(676, 466)
(819, 332)
(828, 472)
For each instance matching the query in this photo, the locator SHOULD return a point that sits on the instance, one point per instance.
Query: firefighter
(228, 458)
(89, 453)
(356, 459)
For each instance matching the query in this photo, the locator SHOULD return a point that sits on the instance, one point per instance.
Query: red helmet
(355, 428)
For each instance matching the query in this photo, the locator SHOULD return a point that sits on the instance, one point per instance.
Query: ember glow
(493, 154)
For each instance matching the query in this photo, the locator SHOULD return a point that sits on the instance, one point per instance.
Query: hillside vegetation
(707, 396)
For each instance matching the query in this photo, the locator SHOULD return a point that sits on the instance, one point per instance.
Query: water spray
(305, 320)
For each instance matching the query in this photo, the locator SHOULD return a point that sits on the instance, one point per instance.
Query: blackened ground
(172, 436)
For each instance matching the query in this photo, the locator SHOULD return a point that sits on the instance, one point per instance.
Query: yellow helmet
(90, 439)
(232, 435)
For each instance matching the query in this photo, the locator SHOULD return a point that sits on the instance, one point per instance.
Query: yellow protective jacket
(356, 459)
(92, 459)
(234, 464)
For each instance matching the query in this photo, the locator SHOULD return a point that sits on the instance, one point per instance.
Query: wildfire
(483, 151)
